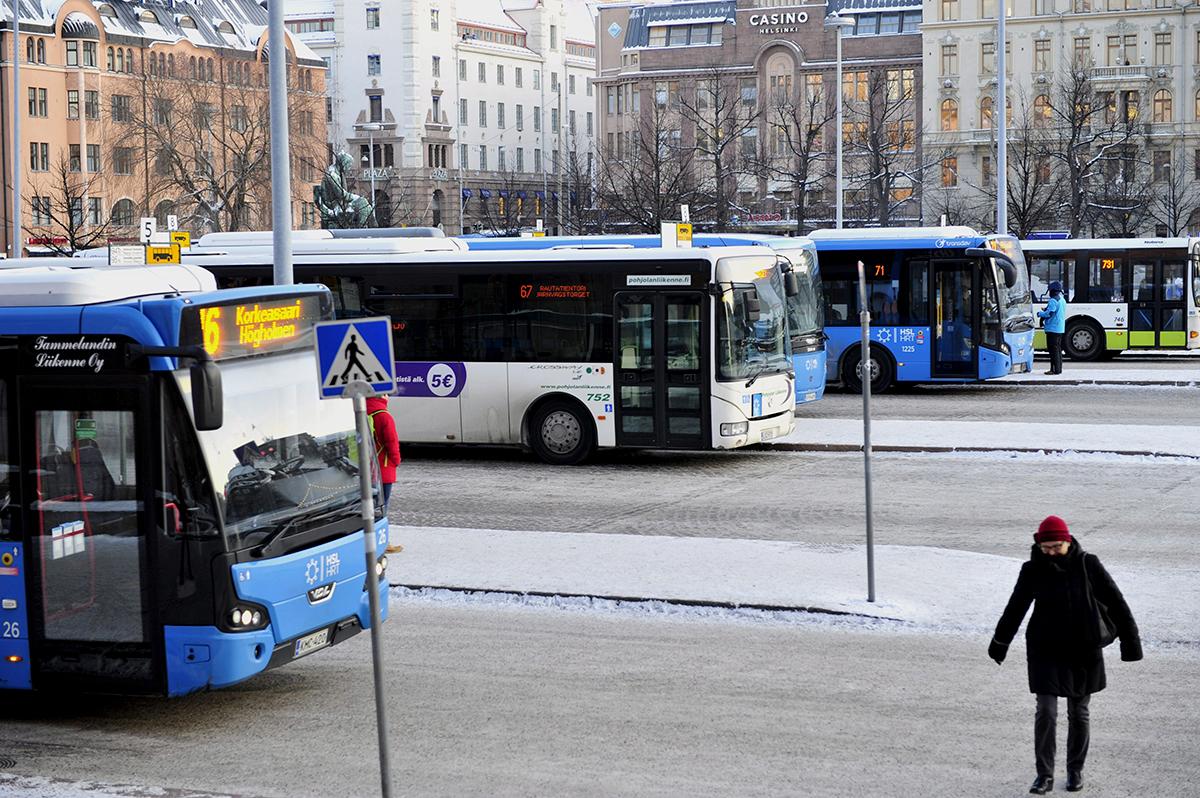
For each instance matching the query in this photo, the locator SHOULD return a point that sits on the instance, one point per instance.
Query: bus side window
(347, 296)
(916, 304)
(8, 471)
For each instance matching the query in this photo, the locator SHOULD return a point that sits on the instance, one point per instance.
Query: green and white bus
(1122, 293)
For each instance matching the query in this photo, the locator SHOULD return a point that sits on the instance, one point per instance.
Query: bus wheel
(882, 373)
(561, 434)
(1084, 341)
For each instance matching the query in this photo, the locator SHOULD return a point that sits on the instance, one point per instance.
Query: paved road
(500, 702)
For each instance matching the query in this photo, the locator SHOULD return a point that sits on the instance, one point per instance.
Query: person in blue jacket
(1055, 324)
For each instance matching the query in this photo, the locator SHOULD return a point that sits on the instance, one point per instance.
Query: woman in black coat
(1064, 641)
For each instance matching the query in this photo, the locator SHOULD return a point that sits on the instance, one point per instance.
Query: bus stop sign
(355, 351)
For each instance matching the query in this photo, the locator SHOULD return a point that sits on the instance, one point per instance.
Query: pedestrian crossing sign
(355, 352)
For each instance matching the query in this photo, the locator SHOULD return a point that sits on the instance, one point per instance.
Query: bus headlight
(731, 429)
(381, 567)
(246, 618)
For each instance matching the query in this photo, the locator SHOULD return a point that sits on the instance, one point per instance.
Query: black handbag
(1106, 630)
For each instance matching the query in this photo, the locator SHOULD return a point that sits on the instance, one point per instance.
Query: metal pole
(838, 131)
(1001, 126)
(562, 153)
(865, 376)
(458, 139)
(281, 171)
(16, 129)
(368, 521)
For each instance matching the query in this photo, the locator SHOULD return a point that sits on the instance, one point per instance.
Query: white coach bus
(562, 351)
(1122, 293)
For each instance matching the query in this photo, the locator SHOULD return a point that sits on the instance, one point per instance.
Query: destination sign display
(252, 326)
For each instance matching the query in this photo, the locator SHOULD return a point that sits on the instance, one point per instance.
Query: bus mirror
(791, 284)
(208, 401)
(1002, 260)
(1010, 272)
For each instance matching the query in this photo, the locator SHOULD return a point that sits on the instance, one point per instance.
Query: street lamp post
(837, 22)
(16, 128)
(1002, 124)
(371, 128)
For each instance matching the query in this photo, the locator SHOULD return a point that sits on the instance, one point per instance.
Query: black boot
(1074, 780)
(1042, 785)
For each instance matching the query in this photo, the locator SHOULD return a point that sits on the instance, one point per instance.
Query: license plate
(768, 434)
(810, 396)
(310, 643)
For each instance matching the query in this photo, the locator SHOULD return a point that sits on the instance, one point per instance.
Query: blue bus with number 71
(178, 509)
(947, 304)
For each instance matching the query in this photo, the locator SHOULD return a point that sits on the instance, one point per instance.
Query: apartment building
(464, 114)
(132, 108)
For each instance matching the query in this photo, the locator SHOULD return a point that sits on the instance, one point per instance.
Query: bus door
(87, 483)
(1158, 304)
(955, 319)
(661, 368)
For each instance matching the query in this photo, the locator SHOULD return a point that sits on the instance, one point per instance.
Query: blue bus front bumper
(810, 376)
(198, 657)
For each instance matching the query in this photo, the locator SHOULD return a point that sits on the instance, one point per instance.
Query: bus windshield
(749, 347)
(1018, 304)
(805, 310)
(284, 460)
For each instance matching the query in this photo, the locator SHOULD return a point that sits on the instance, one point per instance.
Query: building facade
(463, 114)
(733, 100)
(144, 108)
(1103, 110)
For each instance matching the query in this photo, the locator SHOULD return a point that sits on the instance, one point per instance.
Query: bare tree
(506, 213)
(795, 153)
(66, 207)
(724, 124)
(579, 215)
(1033, 185)
(644, 178)
(1119, 208)
(1174, 197)
(1088, 130)
(880, 147)
(209, 148)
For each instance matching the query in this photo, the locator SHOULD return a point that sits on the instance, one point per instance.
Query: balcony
(1125, 75)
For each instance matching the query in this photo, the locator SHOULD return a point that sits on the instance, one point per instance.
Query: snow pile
(932, 589)
(1184, 374)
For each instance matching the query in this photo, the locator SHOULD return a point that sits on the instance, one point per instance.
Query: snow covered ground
(1183, 374)
(909, 434)
(927, 588)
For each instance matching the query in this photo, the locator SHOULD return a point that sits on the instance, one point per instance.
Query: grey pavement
(523, 702)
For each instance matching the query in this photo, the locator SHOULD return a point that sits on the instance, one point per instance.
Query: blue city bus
(804, 307)
(947, 305)
(178, 509)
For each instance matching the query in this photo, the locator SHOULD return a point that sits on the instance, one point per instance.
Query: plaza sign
(779, 22)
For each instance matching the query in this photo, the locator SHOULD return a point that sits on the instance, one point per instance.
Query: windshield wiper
(762, 370)
(289, 526)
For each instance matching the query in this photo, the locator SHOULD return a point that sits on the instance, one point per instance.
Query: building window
(985, 170)
(499, 74)
(1042, 110)
(123, 160)
(553, 120)
(462, 156)
(570, 84)
(483, 157)
(500, 116)
(72, 103)
(537, 78)
(1043, 7)
(854, 85)
(900, 83)
(122, 108)
(1122, 50)
(483, 113)
(520, 120)
(1162, 106)
(93, 157)
(89, 54)
(537, 161)
(520, 159)
(372, 17)
(482, 72)
(1081, 6)
(91, 104)
(433, 19)
(589, 123)
(72, 53)
(1041, 55)
(949, 59)
(1083, 51)
(537, 118)
(518, 77)
(375, 102)
(949, 172)
(1162, 165)
(38, 105)
(462, 69)
(437, 66)
(501, 158)
(987, 108)
(553, 37)
(949, 115)
(462, 113)
(1162, 49)
(571, 122)
(373, 64)
(94, 210)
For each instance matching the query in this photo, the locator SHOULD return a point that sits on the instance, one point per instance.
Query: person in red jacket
(387, 445)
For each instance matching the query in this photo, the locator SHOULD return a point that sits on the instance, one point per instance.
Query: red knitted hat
(1052, 529)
